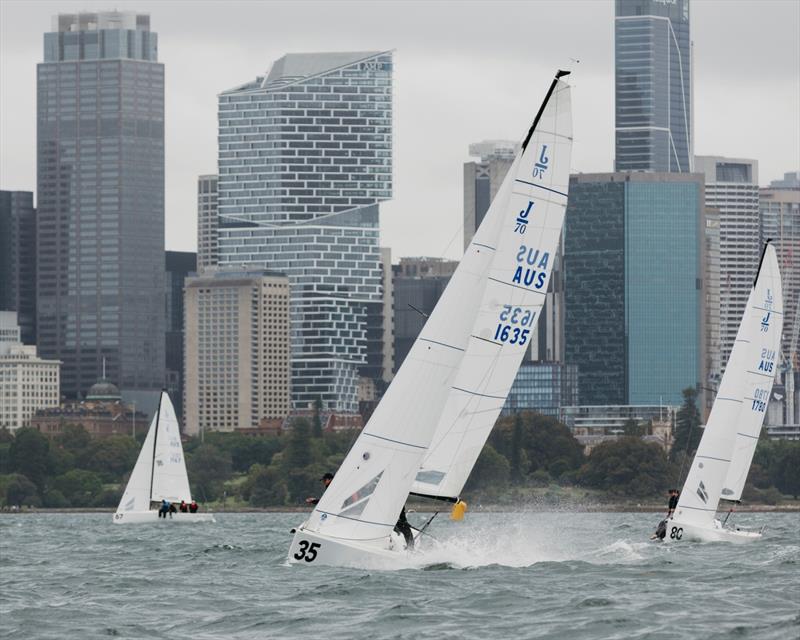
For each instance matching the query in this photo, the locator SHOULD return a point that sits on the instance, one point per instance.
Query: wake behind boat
(159, 474)
(429, 428)
(720, 466)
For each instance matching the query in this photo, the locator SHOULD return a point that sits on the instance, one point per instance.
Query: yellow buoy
(458, 511)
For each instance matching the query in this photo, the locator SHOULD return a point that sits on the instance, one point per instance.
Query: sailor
(172, 509)
(673, 502)
(661, 531)
(184, 508)
(193, 507)
(404, 528)
(162, 512)
(326, 480)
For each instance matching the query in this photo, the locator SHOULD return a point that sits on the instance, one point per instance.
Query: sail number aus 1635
(514, 316)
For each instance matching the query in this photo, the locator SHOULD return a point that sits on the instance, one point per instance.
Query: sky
(464, 72)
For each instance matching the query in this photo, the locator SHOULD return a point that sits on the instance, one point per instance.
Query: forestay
(702, 490)
(765, 340)
(371, 486)
(509, 308)
(160, 469)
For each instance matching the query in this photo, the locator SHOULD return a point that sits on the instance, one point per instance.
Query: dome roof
(103, 390)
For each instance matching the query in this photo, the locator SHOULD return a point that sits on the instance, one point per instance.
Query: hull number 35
(308, 551)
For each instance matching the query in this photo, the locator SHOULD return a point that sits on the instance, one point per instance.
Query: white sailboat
(159, 473)
(454, 381)
(720, 466)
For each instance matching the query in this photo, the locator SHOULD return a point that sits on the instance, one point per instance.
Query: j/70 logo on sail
(542, 164)
(522, 218)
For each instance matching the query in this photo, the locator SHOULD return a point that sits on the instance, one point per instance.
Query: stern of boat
(679, 531)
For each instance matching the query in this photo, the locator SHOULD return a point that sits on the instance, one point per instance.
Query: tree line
(524, 452)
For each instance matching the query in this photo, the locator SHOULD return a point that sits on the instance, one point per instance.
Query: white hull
(140, 517)
(310, 548)
(678, 531)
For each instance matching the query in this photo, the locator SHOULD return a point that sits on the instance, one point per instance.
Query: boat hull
(312, 549)
(679, 531)
(142, 517)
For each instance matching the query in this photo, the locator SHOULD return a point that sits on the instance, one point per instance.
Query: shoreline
(488, 508)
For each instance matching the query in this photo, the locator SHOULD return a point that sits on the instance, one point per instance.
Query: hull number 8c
(308, 551)
(676, 533)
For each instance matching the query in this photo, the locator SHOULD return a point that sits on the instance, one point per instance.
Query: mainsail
(372, 484)
(751, 367)
(160, 470)
(765, 340)
(513, 298)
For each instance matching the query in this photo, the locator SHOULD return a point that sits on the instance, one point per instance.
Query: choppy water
(523, 575)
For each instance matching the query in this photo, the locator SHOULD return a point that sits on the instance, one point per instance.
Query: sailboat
(159, 473)
(429, 428)
(720, 466)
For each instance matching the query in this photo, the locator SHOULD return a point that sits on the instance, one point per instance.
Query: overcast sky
(464, 72)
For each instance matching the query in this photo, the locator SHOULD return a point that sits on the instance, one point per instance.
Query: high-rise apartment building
(100, 190)
(305, 156)
(634, 268)
(482, 180)
(180, 265)
(27, 382)
(207, 222)
(18, 259)
(237, 349)
(732, 190)
(543, 387)
(653, 94)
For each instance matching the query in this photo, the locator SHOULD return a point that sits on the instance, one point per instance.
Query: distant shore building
(18, 260)
(179, 265)
(27, 382)
(594, 424)
(101, 414)
(100, 192)
(633, 269)
(237, 349)
(543, 387)
(653, 94)
(305, 157)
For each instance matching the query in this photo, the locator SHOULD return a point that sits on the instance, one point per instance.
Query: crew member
(193, 507)
(404, 528)
(661, 531)
(326, 480)
(673, 502)
(164, 510)
(184, 508)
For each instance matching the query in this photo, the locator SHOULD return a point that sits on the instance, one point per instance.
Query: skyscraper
(305, 156)
(100, 129)
(180, 265)
(633, 264)
(732, 189)
(653, 70)
(18, 260)
(207, 222)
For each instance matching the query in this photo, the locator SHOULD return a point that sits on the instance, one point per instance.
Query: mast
(155, 441)
(760, 262)
(559, 74)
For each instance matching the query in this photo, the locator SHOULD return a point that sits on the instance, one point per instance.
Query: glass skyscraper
(633, 263)
(653, 69)
(305, 156)
(18, 260)
(100, 156)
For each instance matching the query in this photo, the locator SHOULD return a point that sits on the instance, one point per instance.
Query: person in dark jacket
(404, 528)
(164, 510)
(184, 508)
(193, 507)
(673, 502)
(326, 480)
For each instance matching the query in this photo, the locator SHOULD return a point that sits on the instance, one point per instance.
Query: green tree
(492, 471)
(79, 486)
(267, 487)
(628, 466)
(54, 499)
(74, 438)
(298, 453)
(317, 419)
(687, 427)
(208, 469)
(634, 428)
(111, 456)
(21, 491)
(787, 473)
(28, 455)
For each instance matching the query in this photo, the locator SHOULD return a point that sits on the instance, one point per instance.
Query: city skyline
(436, 76)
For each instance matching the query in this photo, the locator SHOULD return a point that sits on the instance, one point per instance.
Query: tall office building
(711, 284)
(18, 260)
(305, 156)
(732, 190)
(482, 180)
(543, 387)
(237, 349)
(100, 129)
(634, 268)
(653, 94)
(180, 265)
(207, 222)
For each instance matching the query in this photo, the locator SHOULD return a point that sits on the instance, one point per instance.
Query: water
(522, 575)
